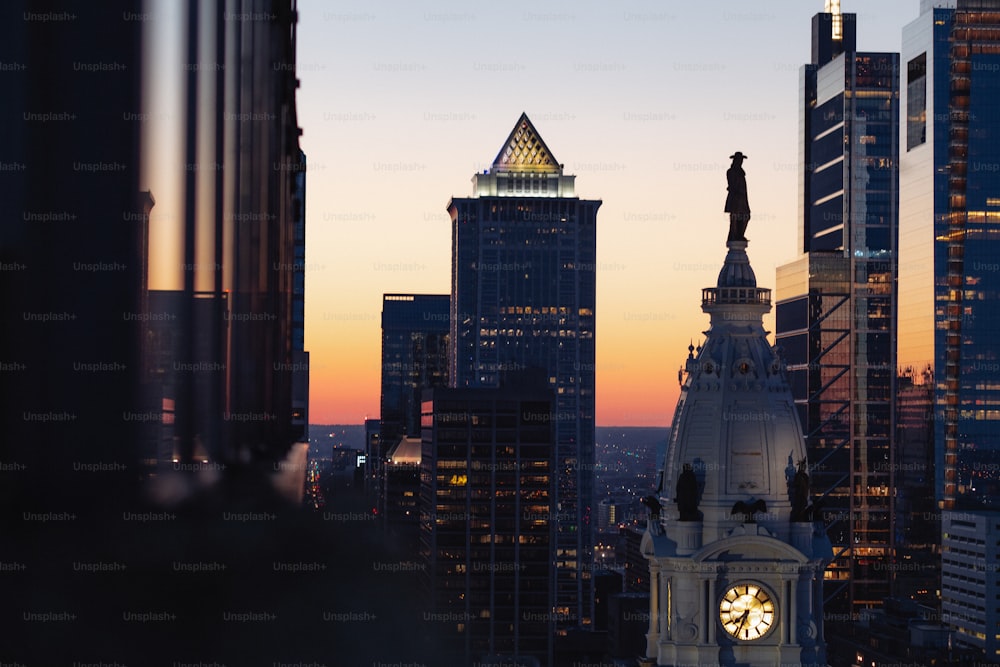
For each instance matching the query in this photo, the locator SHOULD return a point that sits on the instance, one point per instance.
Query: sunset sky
(400, 103)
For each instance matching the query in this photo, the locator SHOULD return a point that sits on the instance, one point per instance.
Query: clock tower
(736, 547)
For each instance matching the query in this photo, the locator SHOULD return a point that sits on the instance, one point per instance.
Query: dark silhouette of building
(835, 317)
(523, 296)
(300, 357)
(902, 632)
(916, 570)
(401, 493)
(628, 621)
(606, 584)
(488, 519)
(113, 567)
(414, 358)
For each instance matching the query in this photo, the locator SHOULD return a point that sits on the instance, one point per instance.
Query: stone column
(654, 602)
(712, 611)
(793, 614)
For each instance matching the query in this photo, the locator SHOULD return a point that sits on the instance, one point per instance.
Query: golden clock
(747, 611)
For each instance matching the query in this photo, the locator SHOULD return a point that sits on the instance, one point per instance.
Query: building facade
(970, 584)
(736, 551)
(523, 297)
(949, 282)
(835, 315)
(487, 486)
(414, 357)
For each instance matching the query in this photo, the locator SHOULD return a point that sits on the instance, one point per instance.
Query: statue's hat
(739, 155)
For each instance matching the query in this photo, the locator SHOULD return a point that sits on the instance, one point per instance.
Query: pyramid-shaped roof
(524, 150)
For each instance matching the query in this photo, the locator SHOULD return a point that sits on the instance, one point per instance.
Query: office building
(970, 590)
(401, 493)
(949, 321)
(901, 632)
(414, 357)
(835, 314)
(948, 280)
(916, 571)
(523, 297)
(487, 519)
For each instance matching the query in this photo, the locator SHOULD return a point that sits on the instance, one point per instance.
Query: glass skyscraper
(949, 284)
(835, 317)
(949, 241)
(523, 296)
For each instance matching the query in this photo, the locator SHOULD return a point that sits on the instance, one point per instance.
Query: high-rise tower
(522, 297)
(835, 314)
(735, 549)
(949, 286)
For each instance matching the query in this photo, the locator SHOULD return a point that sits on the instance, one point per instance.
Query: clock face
(747, 611)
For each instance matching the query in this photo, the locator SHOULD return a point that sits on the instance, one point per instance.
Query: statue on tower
(687, 495)
(800, 493)
(737, 205)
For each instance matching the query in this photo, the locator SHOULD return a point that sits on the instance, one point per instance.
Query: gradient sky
(400, 103)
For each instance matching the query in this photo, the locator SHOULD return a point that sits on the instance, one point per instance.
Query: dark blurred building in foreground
(108, 561)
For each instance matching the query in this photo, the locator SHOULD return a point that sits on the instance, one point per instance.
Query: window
(916, 102)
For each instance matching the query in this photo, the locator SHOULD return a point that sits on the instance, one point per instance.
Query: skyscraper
(414, 357)
(486, 505)
(835, 315)
(949, 282)
(949, 277)
(523, 287)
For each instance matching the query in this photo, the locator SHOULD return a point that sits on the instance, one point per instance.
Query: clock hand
(743, 619)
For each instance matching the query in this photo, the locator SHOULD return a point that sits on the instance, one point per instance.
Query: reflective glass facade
(523, 297)
(950, 242)
(835, 317)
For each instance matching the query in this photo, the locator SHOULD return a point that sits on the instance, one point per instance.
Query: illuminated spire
(833, 7)
(524, 151)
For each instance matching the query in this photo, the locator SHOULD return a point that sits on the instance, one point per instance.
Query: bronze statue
(687, 495)
(654, 507)
(800, 494)
(747, 512)
(737, 205)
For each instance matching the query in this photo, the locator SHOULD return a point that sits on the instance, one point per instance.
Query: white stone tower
(736, 552)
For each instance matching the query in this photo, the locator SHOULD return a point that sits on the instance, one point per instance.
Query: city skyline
(400, 105)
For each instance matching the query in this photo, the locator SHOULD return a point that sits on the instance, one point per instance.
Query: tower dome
(735, 427)
(736, 551)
